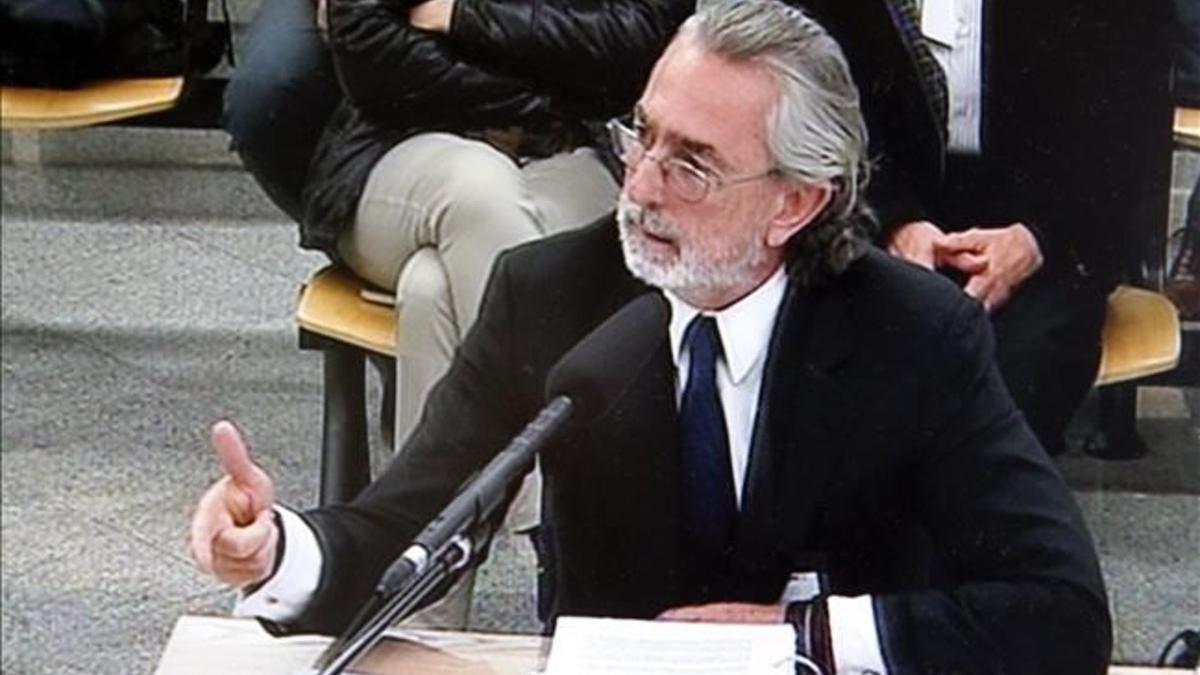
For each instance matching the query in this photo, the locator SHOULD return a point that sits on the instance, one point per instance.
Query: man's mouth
(656, 238)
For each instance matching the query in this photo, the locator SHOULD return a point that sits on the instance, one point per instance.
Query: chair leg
(345, 456)
(386, 367)
(1116, 435)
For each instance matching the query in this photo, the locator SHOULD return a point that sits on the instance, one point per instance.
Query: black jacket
(528, 63)
(887, 456)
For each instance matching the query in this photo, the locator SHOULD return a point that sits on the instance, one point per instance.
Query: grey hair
(815, 131)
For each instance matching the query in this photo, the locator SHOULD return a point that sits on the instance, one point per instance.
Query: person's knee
(424, 312)
(423, 284)
(286, 80)
(478, 184)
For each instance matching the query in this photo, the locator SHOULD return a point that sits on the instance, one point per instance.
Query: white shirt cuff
(283, 597)
(856, 648)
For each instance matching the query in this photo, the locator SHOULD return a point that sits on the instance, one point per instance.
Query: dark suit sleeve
(1021, 590)
(469, 417)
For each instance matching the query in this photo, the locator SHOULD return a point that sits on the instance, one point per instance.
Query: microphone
(581, 386)
(600, 367)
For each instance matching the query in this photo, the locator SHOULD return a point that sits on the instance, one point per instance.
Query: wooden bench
(191, 100)
(93, 103)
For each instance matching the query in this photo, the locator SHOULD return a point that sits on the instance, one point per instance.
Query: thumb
(234, 456)
(966, 262)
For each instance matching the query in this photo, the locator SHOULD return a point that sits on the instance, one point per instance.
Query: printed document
(624, 646)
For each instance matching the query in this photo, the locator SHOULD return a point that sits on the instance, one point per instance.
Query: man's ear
(800, 205)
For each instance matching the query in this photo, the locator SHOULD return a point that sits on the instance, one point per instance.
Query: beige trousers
(434, 214)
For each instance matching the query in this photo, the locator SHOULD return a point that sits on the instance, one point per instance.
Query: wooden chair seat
(93, 103)
(1187, 127)
(332, 304)
(1141, 336)
(335, 318)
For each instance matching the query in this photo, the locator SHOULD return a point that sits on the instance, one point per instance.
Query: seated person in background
(464, 137)
(1056, 140)
(863, 431)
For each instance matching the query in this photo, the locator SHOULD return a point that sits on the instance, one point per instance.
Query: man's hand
(1010, 256)
(233, 535)
(727, 612)
(917, 242)
(432, 15)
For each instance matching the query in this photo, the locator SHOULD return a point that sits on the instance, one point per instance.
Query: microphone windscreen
(596, 371)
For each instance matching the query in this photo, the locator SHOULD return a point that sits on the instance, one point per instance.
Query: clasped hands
(996, 261)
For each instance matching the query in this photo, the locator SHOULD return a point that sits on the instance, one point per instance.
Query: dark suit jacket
(888, 456)
(907, 133)
(1076, 130)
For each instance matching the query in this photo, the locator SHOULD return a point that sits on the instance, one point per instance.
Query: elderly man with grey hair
(822, 437)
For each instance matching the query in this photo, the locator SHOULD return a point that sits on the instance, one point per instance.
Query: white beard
(691, 273)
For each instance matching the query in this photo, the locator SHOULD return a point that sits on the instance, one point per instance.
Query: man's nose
(644, 181)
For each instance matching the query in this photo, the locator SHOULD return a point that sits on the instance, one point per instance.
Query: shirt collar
(745, 325)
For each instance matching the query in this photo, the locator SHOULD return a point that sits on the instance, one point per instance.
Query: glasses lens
(686, 180)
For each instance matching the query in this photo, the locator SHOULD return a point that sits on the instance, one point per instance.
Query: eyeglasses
(684, 177)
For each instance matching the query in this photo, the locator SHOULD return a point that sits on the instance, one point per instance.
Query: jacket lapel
(635, 446)
(803, 418)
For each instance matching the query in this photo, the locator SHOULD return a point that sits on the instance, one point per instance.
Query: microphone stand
(447, 544)
(383, 610)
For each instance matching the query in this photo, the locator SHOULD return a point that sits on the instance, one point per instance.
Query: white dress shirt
(954, 31)
(745, 328)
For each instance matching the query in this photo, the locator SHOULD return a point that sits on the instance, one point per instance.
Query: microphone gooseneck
(581, 386)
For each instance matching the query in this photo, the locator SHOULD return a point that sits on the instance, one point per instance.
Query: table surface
(203, 644)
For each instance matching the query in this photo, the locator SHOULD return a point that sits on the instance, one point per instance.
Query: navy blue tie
(709, 503)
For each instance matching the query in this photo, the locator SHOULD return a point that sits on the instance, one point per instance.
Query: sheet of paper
(624, 646)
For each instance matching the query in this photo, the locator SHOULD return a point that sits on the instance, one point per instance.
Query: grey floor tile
(117, 146)
(270, 246)
(149, 191)
(157, 280)
(1150, 552)
(92, 595)
(504, 600)
(1170, 426)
